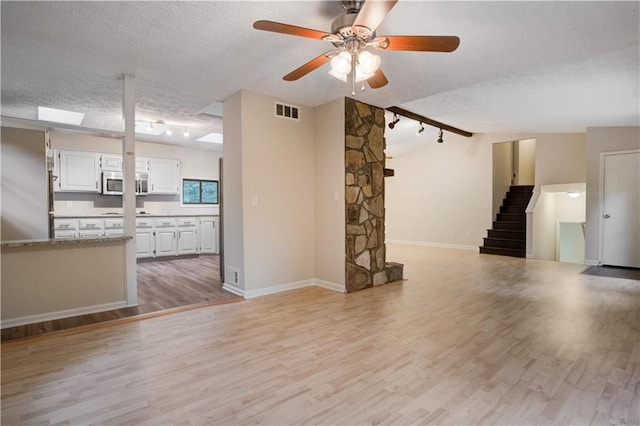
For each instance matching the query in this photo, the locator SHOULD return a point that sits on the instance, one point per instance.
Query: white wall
(502, 173)
(601, 139)
(233, 214)
(25, 211)
(329, 182)
(59, 281)
(560, 158)
(552, 208)
(526, 161)
(195, 163)
(277, 189)
(441, 194)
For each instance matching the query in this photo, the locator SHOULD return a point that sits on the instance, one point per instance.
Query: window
(199, 191)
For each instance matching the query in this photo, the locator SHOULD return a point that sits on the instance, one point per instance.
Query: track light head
(440, 140)
(420, 128)
(394, 122)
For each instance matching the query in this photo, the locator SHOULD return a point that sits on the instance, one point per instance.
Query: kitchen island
(44, 279)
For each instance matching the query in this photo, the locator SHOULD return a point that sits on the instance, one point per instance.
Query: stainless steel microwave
(112, 183)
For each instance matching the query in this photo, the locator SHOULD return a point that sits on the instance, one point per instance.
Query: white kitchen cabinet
(208, 235)
(142, 164)
(145, 242)
(91, 233)
(65, 228)
(111, 163)
(78, 171)
(113, 232)
(164, 176)
(166, 234)
(187, 235)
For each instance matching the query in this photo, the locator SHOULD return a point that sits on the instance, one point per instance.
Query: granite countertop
(56, 242)
(119, 215)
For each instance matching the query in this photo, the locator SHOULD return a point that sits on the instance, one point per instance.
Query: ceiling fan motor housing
(343, 26)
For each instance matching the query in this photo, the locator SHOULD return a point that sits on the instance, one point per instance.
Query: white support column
(129, 193)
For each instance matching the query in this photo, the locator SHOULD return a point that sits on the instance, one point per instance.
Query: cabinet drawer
(187, 221)
(65, 225)
(144, 223)
(91, 224)
(165, 223)
(66, 235)
(91, 234)
(113, 224)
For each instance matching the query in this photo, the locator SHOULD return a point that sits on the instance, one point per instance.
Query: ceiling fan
(352, 34)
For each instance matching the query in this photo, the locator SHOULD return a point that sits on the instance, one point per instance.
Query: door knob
(606, 216)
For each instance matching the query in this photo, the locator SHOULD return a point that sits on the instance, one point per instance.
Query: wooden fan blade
(378, 80)
(308, 67)
(277, 27)
(421, 43)
(373, 13)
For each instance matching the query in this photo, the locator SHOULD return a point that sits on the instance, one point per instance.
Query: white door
(621, 209)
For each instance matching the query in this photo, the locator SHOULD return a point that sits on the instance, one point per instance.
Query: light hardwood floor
(467, 339)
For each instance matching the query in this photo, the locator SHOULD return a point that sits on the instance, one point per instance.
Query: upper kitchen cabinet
(164, 176)
(113, 163)
(78, 171)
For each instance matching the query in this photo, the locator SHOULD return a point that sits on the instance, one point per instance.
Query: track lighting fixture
(150, 127)
(440, 140)
(169, 131)
(394, 122)
(186, 132)
(420, 128)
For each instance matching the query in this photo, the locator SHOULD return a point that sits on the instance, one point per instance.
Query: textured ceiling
(520, 67)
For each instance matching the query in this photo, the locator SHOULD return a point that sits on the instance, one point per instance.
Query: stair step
(511, 217)
(506, 233)
(504, 252)
(513, 209)
(516, 226)
(504, 243)
(521, 188)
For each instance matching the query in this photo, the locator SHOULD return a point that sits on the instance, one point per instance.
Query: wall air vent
(287, 111)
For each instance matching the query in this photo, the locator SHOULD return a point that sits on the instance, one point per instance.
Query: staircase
(508, 236)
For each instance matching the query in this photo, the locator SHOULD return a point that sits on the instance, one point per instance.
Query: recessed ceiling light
(60, 116)
(211, 138)
(150, 128)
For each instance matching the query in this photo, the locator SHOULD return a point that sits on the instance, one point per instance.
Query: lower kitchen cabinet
(208, 235)
(145, 242)
(165, 242)
(188, 235)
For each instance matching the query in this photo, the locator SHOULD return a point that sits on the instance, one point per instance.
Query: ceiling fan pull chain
(353, 74)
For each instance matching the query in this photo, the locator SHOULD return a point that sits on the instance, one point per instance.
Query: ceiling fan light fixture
(339, 76)
(368, 62)
(341, 63)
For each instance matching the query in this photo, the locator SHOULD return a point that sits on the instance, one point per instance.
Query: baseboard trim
(67, 313)
(431, 244)
(250, 294)
(233, 289)
(590, 262)
(330, 286)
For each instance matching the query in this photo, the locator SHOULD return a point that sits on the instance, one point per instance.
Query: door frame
(603, 156)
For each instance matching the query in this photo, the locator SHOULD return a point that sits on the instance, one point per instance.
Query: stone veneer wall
(364, 195)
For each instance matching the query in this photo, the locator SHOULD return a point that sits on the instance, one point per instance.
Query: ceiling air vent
(287, 111)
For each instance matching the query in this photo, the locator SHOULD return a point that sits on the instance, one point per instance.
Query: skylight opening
(211, 138)
(60, 116)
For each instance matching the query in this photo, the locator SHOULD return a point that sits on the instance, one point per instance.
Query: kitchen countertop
(55, 242)
(115, 216)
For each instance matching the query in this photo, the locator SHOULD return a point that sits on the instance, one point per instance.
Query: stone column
(364, 195)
